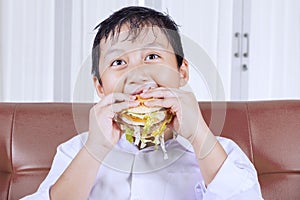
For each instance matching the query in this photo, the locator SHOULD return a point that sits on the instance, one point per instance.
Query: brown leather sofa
(268, 132)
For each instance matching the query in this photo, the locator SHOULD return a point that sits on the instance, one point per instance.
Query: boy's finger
(115, 97)
(118, 107)
(160, 93)
(172, 103)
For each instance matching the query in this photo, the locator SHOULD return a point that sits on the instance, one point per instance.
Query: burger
(143, 125)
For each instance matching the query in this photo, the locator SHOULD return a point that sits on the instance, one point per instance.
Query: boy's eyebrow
(114, 51)
(120, 51)
(155, 44)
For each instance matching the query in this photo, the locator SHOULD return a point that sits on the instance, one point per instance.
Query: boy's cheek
(167, 77)
(112, 84)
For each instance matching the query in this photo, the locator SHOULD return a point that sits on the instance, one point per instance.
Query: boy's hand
(188, 121)
(103, 131)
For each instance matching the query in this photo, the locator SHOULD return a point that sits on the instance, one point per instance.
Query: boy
(137, 52)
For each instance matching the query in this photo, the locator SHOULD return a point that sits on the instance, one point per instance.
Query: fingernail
(132, 98)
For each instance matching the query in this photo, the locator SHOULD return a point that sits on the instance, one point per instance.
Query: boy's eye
(151, 57)
(118, 62)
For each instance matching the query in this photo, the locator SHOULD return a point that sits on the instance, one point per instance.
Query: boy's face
(130, 65)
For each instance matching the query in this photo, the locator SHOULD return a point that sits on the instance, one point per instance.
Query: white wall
(274, 71)
(27, 50)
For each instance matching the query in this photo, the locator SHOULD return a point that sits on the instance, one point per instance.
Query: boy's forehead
(134, 39)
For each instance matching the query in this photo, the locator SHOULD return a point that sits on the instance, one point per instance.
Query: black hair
(136, 18)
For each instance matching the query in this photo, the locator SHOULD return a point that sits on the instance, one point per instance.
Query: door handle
(237, 38)
(246, 53)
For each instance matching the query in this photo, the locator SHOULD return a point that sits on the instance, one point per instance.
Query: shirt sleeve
(64, 155)
(236, 179)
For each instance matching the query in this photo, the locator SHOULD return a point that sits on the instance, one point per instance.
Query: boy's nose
(139, 75)
(139, 78)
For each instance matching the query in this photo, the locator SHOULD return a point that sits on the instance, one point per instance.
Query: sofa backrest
(268, 132)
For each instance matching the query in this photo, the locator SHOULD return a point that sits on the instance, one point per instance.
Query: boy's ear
(184, 72)
(98, 87)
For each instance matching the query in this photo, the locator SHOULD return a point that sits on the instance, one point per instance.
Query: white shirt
(129, 173)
